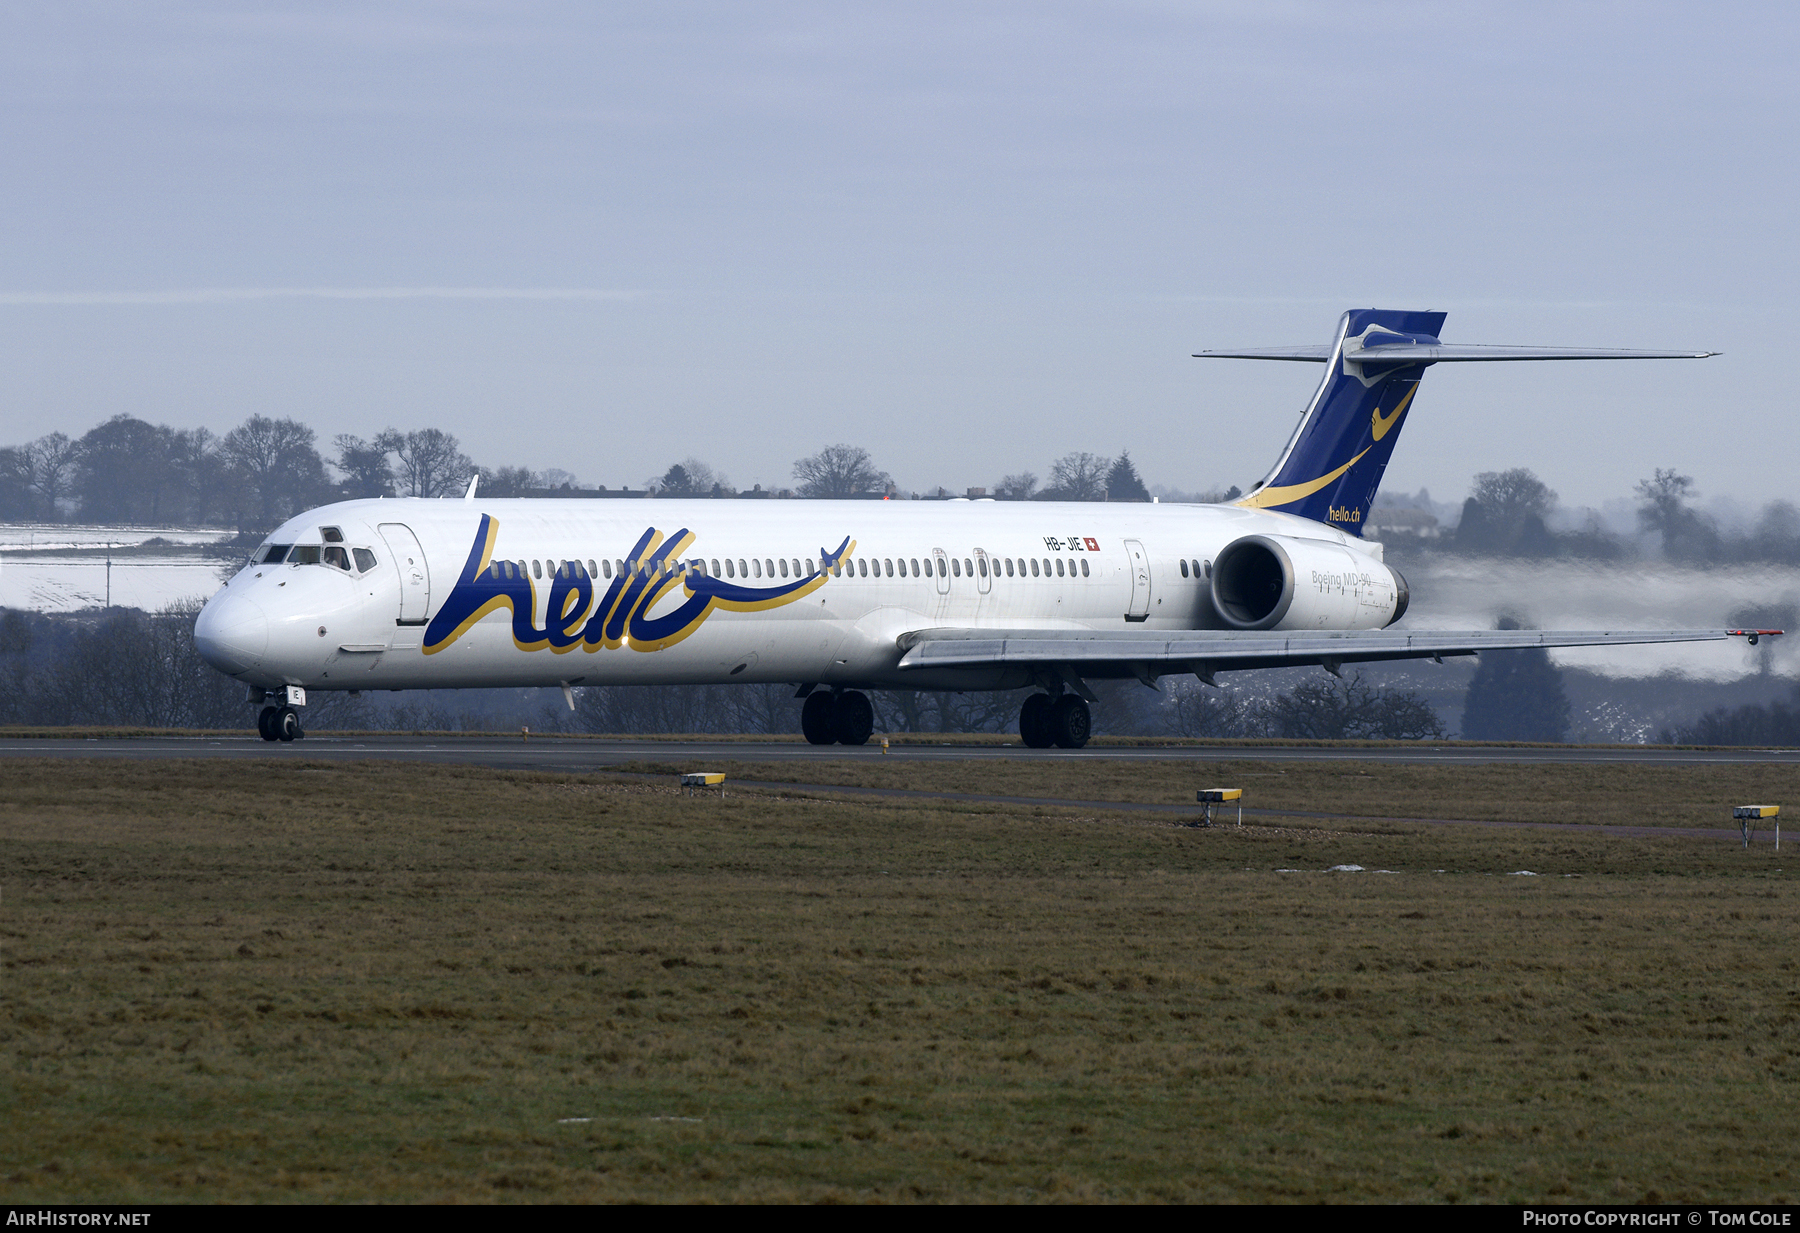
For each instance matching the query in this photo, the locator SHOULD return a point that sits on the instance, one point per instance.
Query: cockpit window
(337, 557)
(304, 554)
(331, 535)
(274, 554)
(365, 560)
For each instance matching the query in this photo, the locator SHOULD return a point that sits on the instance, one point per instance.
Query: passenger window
(784, 569)
(890, 567)
(1009, 571)
(968, 567)
(1184, 572)
(537, 568)
(862, 569)
(956, 567)
(1059, 568)
(984, 572)
(1084, 568)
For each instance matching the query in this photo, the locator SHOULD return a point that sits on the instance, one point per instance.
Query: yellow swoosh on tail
(1264, 497)
(1381, 423)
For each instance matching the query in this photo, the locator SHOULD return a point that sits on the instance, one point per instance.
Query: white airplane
(838, 597)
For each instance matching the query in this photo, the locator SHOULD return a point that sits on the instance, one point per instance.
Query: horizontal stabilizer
(1438, 353)
(1226, 649)
(1310, 355)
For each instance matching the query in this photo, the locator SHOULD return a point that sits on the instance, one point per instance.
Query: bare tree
(507, 482)
(1512, 496)
(431, 462)
(839, 471)
(1664, 508)
(49, 469)
(1340, 710)
(1077, 477)
(1018, 487)
(1207, 711)
(16, 497)
(128, 471)
(689, 478)
(281, 469)
(1505, 514)
(365, 466)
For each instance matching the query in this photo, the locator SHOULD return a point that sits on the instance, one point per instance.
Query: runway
(552, 753)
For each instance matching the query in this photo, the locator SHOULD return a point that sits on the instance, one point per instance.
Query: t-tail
(1332, 466)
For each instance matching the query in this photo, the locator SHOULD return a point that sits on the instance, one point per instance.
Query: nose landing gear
(278, 720)
(279, 723)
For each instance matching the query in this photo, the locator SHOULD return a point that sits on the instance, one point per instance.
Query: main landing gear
(837, 719)
(1064, 721)
(279, 723)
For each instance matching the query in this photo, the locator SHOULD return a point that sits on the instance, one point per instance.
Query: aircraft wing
(1161, 652)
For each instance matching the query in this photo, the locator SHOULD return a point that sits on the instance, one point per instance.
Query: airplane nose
(231, 633)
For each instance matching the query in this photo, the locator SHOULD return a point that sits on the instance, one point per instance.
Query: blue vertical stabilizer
(1333, 464)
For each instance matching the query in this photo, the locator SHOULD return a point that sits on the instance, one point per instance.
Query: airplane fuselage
(469, 593)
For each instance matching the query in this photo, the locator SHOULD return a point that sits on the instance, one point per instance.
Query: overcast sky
(971, 238)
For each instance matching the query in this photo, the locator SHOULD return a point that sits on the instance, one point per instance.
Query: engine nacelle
(1281, 582)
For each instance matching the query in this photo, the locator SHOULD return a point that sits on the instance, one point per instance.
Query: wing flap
(963, 648)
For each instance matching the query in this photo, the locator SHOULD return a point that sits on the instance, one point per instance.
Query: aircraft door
(415, 577)
(984, 572)
(941, 562)
(1140, 581)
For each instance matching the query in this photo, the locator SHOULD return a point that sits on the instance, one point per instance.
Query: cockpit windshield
(350, 560)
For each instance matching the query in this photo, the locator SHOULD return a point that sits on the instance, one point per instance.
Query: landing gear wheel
(287, 724)
(265, 723)
(855, 718)
(818, 719)
(1035, 719)
(1071, 722)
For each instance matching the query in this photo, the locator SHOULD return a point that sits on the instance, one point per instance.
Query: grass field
(320, 982)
